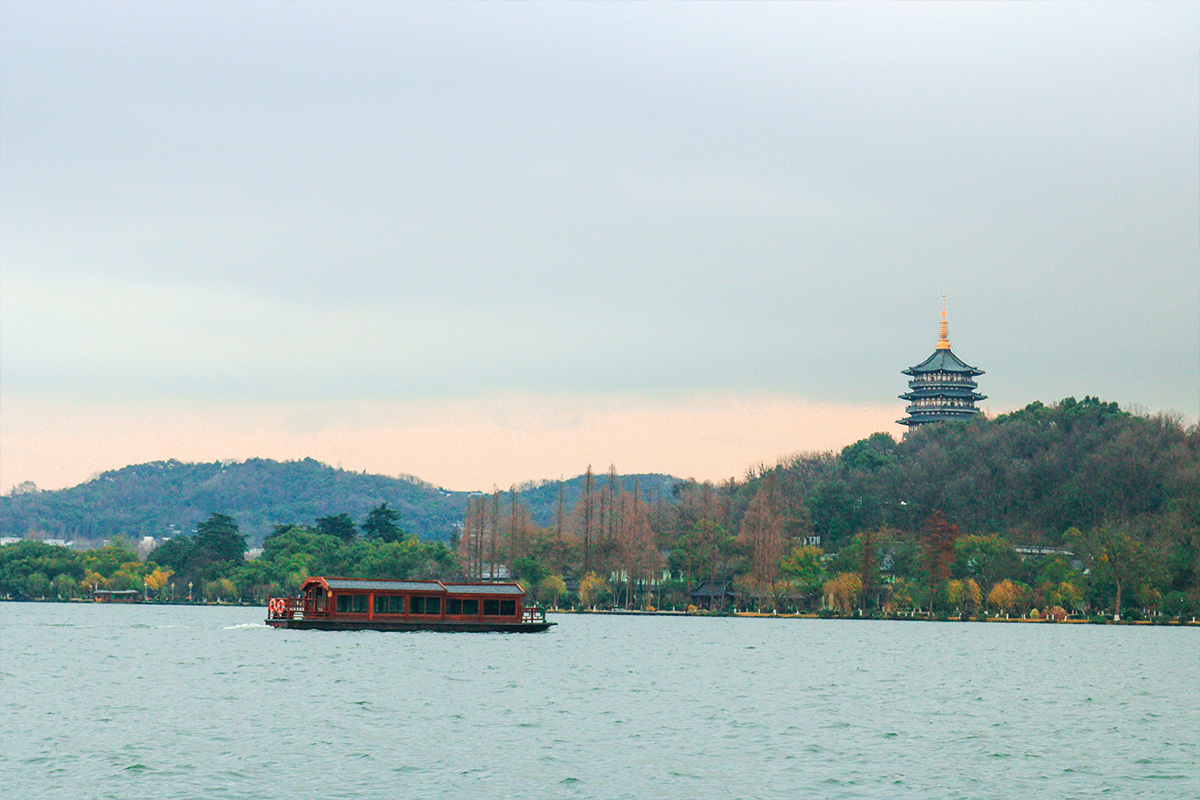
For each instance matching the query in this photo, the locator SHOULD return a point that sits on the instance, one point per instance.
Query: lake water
(194, 702)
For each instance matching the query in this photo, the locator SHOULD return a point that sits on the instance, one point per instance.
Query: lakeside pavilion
(942, 387)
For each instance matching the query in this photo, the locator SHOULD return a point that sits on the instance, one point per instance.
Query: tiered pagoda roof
(942, 386)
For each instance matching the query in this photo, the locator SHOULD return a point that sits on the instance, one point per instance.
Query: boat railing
(294, 608)
(535, 614)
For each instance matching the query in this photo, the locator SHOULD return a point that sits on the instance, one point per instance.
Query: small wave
(242, 625)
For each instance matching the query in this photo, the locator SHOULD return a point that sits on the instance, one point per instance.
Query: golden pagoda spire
(943, 329)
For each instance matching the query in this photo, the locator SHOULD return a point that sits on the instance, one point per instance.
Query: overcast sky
(492, 242)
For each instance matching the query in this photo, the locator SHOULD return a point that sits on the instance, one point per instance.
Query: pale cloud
(457, 444)
(299, 210)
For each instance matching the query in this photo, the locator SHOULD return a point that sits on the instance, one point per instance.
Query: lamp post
(189, 591)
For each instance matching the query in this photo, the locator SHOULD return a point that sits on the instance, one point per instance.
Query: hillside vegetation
(165, 498)
(1029, 476)
(933, 521)
(1072, 508)
(168, 497)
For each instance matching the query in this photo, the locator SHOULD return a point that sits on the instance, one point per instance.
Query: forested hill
(543, 500)
(1029, 476)
(168, 497)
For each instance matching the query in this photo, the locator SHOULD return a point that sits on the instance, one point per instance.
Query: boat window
(454, 605)
(471, 608)
(343, 603)
(508, 608)
(360, 603)
(491, 608)
(389, 604)
(426, 605)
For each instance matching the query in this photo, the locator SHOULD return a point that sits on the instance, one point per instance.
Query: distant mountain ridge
(164, 498)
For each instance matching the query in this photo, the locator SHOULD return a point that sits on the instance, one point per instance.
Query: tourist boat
(348, 604)
(116, 596)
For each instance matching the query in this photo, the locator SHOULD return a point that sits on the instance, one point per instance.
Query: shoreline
(616, 612)
(889, 618)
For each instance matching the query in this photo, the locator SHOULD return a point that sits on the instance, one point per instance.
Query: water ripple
(165, 702)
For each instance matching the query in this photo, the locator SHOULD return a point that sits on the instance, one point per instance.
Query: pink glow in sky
(455, 444)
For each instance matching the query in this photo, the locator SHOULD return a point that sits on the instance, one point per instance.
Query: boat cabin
(356, 600)
(117, 596)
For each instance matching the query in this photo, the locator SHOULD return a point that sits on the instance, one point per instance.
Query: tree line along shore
(1075, 510)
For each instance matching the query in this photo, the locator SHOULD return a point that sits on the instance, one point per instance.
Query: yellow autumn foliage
(841, 592)
(158, 578)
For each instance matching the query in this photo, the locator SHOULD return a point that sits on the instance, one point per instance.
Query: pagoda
(942, 387)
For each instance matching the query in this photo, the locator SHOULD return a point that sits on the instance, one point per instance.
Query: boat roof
(484, 588)
(385, 585)
(433, 587)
